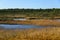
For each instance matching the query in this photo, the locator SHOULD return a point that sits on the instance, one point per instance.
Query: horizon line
(29, 8)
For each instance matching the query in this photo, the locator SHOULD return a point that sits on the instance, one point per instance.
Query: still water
(14, 26)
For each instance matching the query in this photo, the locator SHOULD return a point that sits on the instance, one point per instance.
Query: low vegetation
(40, 13)
(41, 22)
(50, 33)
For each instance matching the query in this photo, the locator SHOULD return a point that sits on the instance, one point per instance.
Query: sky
(29, 4)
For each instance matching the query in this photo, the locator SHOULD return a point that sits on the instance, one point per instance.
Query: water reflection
(8, 26)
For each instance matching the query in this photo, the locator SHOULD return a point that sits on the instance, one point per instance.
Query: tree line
(45, 13)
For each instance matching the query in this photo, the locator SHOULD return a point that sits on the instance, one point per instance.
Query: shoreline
(33, 22)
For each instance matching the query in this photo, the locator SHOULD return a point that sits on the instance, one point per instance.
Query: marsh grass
(50, 33)
(42, 22)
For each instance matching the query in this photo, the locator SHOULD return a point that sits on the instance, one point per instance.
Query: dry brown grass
(35, 22)
(51, 33)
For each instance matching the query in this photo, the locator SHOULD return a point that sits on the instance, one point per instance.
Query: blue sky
(29, 3)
